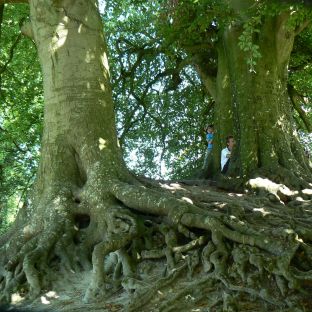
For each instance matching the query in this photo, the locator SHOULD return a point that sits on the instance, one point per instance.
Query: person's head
(209, 129)
(230, 142)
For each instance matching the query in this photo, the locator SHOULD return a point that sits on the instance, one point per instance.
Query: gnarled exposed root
(29, 264)
(263, 252)
(226, 250)
(97, 286)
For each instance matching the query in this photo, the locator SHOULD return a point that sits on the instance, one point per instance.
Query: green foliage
(301, 63)
(193, 24)
(21, 113)
(300, 78)
(246, 41)
(298, 15)
(160, 105)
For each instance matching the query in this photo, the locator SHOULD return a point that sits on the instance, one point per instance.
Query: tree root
(144, 296)
(269, 254)
(230, 245)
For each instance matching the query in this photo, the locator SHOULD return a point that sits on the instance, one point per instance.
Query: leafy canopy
(161, 105)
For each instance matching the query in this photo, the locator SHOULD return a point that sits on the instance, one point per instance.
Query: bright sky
(101, 5)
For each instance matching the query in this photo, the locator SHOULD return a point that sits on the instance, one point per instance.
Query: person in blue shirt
(209, 138)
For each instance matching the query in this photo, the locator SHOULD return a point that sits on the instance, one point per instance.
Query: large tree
(241, 50)
(89, 212)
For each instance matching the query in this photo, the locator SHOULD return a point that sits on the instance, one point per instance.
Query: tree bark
(80, 152)
(254, 107)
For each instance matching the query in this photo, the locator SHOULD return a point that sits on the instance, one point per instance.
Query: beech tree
(243, 61)
(189, 34)
(90, 214)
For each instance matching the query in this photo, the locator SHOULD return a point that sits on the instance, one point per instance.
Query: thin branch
(208, 81)
(25, 189)
(130, 123)
(11, 54)
(16, 144)
(294, 97)
(302, 26)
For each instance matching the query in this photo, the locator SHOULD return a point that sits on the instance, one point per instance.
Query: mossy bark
(253, 105)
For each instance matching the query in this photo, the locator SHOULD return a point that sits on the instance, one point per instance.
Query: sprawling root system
(169, 246)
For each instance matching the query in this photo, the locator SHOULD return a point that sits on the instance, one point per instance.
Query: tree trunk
(253, 105)
(80, 153)
(140, 237)
(79, 124)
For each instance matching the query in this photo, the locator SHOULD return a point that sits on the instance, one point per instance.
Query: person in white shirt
(226, 154)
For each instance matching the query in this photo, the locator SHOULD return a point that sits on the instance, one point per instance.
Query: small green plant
(246, 41)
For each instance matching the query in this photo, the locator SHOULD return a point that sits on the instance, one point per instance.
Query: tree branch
(11, 54)
(302, 26)
(294, 97)
(26, 30)
(208, 81)
(16, 144)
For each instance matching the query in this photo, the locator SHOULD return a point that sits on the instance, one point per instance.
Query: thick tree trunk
(79, 124)
(80, 153)
(253, 105)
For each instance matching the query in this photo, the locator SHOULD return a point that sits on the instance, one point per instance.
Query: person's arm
(223, 158)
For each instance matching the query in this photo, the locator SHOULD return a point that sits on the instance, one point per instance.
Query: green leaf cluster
(160, 105)
(21, 113)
